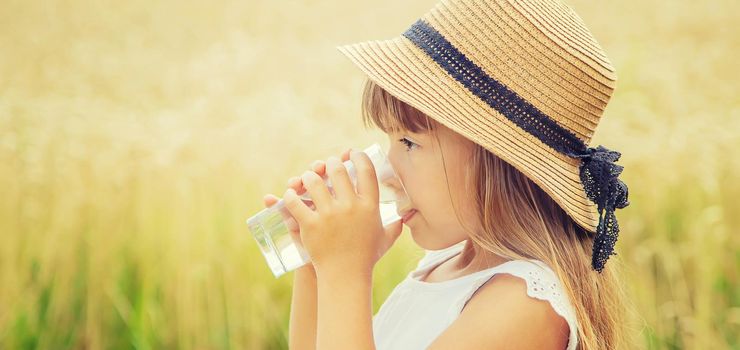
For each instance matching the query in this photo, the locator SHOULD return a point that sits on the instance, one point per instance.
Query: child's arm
(345, 311)
(302, 328)
(344, 286)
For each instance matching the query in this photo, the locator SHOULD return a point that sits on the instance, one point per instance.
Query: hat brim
(406, 72)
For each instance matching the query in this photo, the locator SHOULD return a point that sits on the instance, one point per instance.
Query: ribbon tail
(606, 236)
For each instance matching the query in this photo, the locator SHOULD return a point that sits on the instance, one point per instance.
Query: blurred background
(136, 137)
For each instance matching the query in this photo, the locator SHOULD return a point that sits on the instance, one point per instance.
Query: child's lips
(407, 215)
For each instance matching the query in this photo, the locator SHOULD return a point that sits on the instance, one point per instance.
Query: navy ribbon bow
(599, 177)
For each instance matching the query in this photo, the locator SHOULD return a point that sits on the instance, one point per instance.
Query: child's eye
(408, 143)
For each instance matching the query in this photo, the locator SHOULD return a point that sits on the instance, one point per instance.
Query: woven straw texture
(540, 49)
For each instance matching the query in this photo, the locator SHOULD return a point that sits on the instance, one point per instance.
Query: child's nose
(392, 183)
(392, 178)
(400, 196)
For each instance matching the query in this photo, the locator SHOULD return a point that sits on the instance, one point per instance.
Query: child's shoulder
(524, 315)
(531, 309)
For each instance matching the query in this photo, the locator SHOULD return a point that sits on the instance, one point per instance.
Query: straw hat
(523, 78)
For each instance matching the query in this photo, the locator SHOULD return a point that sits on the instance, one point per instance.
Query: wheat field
(136, 137)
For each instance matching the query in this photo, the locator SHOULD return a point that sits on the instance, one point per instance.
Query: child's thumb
(393, 230)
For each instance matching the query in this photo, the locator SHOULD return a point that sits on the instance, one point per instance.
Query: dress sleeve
(542, 283)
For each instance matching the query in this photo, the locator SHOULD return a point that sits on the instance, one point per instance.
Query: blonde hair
(520, 221)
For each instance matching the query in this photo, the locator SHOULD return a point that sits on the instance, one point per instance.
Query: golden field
(136, 137)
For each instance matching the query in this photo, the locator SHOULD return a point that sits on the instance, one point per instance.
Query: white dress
(417, 312)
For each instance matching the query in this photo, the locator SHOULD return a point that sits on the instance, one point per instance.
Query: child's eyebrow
(406, 132)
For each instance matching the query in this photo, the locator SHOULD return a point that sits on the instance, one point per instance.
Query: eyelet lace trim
(544, 287)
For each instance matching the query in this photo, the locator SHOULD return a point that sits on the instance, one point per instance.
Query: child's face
(420, 168)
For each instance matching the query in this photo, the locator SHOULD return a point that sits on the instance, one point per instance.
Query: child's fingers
(296, 183)
(292, 225)
(289, 221)
(343, 188)
(317, 189)
(297, 207)
(270, 200)
(319, 167)
(345, 155)
(366, 179)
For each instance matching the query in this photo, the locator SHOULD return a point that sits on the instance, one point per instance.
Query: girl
(489, 107)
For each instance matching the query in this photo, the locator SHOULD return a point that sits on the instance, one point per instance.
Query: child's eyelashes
(409, 144)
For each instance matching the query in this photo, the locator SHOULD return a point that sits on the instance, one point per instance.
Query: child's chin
(421, 241)
(415, 237)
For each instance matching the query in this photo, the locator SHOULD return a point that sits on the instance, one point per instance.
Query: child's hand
(344, 233)
(295, 182)
(319, 167)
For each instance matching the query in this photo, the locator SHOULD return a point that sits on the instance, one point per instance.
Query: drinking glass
(284, 252)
